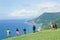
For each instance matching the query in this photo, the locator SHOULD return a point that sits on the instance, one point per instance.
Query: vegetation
(48, 18)
(42, 35)
(57, 21)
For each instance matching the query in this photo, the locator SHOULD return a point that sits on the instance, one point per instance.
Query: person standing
(8, 32)
(17, 32)
(39, 29)
(55, 26)
(24, 31)
(34, 29)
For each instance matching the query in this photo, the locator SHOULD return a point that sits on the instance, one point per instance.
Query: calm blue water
(12, 25)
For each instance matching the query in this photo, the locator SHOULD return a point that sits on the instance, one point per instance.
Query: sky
(27, 9)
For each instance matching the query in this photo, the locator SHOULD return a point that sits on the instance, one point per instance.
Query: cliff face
(46, 18)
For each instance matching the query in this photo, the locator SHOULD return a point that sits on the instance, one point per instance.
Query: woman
(17, 32)
(8, 32)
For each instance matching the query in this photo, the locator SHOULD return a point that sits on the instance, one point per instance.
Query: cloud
(39, 8)
(24, 13)
(47, 6)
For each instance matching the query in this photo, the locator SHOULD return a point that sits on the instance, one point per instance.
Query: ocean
(12, 25)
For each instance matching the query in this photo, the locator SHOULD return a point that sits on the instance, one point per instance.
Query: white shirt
(8, 32)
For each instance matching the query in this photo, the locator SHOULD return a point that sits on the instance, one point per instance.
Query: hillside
(42, 35)
(47, 17)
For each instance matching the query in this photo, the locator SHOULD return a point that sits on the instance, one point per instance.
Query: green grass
(42, 35)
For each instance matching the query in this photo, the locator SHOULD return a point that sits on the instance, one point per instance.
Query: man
(34, 28)
(24, 31)
(55, 26)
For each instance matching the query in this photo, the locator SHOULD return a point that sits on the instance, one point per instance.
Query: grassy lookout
(42, 35)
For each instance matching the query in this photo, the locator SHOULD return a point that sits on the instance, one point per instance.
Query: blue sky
(27, 9)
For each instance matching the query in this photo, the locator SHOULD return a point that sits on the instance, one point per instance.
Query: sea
(13, 25)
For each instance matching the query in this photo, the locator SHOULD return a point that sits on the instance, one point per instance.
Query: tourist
(39, 29)
(17, 32)
(8, 32)
(54, 26)
(34, 28)
(24, 31)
